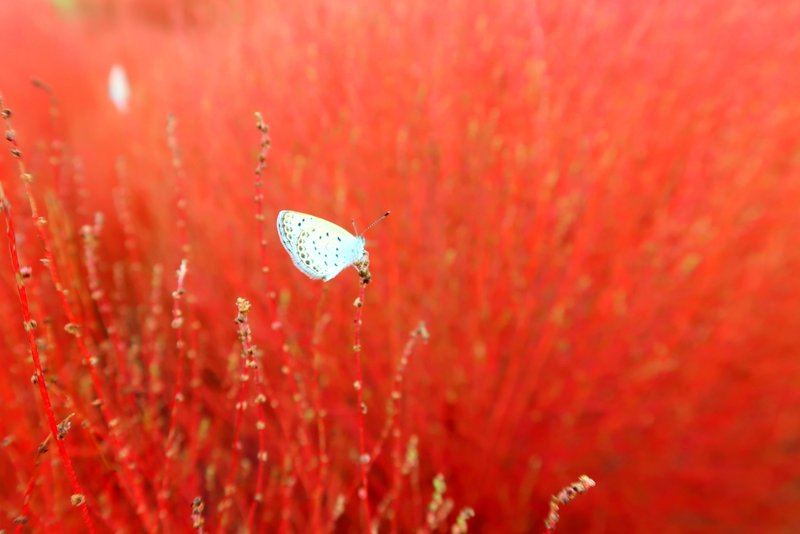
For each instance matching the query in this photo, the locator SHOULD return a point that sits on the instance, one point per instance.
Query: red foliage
(594, 211)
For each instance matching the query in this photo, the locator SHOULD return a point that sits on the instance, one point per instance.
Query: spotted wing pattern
(320, 249)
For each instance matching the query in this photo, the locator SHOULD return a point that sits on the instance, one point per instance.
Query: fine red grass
(594, 213)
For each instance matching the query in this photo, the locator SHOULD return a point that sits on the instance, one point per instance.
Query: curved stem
(363, 458)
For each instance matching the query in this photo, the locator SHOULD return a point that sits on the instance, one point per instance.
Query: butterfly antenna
(353, 221)
(376, 221)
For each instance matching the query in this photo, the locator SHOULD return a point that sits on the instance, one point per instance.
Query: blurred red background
(594, 211)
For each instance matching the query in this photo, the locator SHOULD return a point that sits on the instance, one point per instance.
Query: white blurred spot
(119, 91)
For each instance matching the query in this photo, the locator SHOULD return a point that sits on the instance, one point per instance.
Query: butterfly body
(319, 248)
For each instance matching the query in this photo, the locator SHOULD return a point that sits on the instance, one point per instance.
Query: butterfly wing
(319, 248)
(290, 224)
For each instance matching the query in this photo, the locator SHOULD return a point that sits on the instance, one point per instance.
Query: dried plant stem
(363, 459)
(249, 356)
(73, 327)
(195, 381)
(78, 497)
(198, 521)
(55, 129)
(262, 457)
(297, 392)
(178, 395)
(24, 517)
(152, 346)
(180, 179)
(248, 363)
(439, 506)
(196, 420)
(121, 197)
(228, 488)
(91, 237)
(393, 406)
(177, 322)
(266, 395)
(258, 198)
(390, 427)
(563, 497)
(320, 321)
(120, 450)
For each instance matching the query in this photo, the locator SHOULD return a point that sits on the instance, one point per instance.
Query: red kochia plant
(593, 231)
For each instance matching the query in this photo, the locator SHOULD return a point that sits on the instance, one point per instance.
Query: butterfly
(119, 90)
(319, 248)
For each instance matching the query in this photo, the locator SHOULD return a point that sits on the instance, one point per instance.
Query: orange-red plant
(589, 267)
